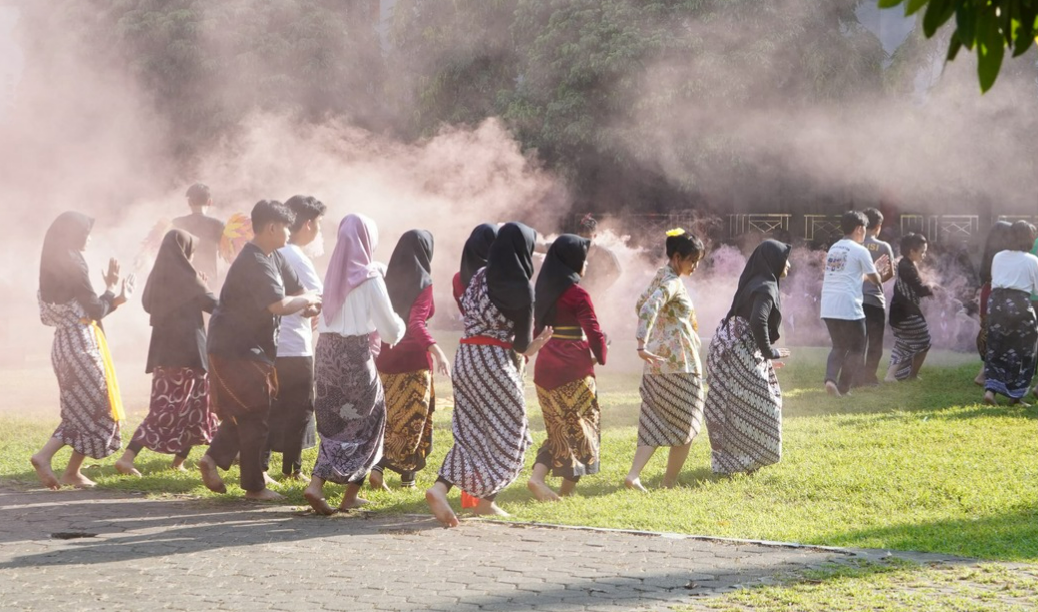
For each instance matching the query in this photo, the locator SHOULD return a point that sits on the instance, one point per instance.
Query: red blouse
(412, 353)
(459, 290)
(560, 362)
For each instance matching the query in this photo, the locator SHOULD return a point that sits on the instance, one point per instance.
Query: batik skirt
(572, 419)
(491, 432)
(672, 409)
(179, 416)
(1012, 338)
(744, 405)
(410, 402)
(350, 407)
(911, 337)
(90, 403)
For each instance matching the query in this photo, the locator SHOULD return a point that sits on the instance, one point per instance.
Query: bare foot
(667, 484)
(296, 477)
(1020, 402)
(989, 398)
(126, 468)
(264, 495)
(979, 381)
(351, 503)
(489, 508)
(77, 480)
(635, 484)
(45, 473)
(210, 476)
(440, 508)
(377, 481)
(268, 481)
(178, 467)
(542, 491)
(832, 389)
(317, 501)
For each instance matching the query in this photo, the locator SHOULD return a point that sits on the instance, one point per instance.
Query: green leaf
(913, 6)
(1024, 30)
(953, 47)
(966, 22)
(889, 3)
(937, 13)
(990, 49)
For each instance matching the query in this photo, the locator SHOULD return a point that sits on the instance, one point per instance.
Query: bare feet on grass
(377, 481)
(436, 497)
(77, 480)
(315, 497)
(542, 491)
(669, 484)
(832, 389)
(352, 503)
(567, 488)
(210, 475)
(264, 495)
(268, 481)
(178, 464)
(634, 484)
(45, 473)
(485, 507)
(989, 398)
(126, 468)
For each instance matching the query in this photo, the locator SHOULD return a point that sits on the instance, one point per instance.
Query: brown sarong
(240, 387)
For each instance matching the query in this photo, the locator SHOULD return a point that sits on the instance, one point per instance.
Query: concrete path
(95, 550)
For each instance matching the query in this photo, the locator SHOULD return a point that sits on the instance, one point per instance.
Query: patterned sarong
(1012, 336)
(179, 416)
(911, 337)
(744, 405)
(672, 409)
(410, 401)
(572, 419)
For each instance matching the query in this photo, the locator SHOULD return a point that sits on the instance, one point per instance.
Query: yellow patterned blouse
(667, 324)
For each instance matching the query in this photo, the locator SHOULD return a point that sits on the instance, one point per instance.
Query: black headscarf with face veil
(477, 248)
(761, 275)
(562, 267)
(63, 271)
(410, 270)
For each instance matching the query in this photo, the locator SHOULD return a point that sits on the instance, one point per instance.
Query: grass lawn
(913, 466)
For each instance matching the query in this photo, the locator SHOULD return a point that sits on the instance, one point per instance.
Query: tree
(989, 26)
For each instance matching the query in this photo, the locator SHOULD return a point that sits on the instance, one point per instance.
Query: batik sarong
(178, 416)
(350, 406)
(572, 419)
(671, 410)
(90, 403)
(911, 337)
(1012, 337)
(410, 402)
(744, 405)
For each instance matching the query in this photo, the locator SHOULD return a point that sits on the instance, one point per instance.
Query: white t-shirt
(367, 309)
(296, 338)
(845, 265)
(1015, 270)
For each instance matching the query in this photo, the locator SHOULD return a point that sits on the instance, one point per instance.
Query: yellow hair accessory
(677, 231)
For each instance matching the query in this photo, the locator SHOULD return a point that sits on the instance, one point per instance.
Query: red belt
(487, 341)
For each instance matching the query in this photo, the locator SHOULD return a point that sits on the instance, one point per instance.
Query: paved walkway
(134, 553)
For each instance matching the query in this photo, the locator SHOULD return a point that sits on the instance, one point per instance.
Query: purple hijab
(351, 263)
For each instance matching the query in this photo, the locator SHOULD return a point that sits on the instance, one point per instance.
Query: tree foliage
(987, 26)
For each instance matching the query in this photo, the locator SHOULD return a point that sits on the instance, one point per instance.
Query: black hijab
(173, 281)
(998, 240)
(409, 270)
(63, 271)
(561, 269)
(510, 268)
(761, 275)
(477, 248)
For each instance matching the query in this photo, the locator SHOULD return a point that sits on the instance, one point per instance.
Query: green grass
(910, 466)
(893, 586)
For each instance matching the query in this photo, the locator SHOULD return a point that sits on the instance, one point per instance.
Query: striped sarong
(911, 337)
(672, 409)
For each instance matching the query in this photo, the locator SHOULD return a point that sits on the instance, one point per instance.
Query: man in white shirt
(292, 413)
(846, 265)
(874, 302)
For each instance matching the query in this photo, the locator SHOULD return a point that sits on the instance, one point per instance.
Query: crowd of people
(254, 382)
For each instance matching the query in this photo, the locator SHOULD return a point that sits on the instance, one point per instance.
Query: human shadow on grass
(175, 527)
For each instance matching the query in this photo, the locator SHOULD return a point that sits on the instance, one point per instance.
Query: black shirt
(242, 327)
(908, 290)
(178, 339)
(209, 232)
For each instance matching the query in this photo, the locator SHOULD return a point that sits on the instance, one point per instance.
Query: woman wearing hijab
(997, 240)
(91, 407)
(179, 417)
(672, 381)
(744, 406)
(473, 257)
(565, 371)
(491, 433)
(349, 400)
(406, 370)
(1011, 322)
(911, 334)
